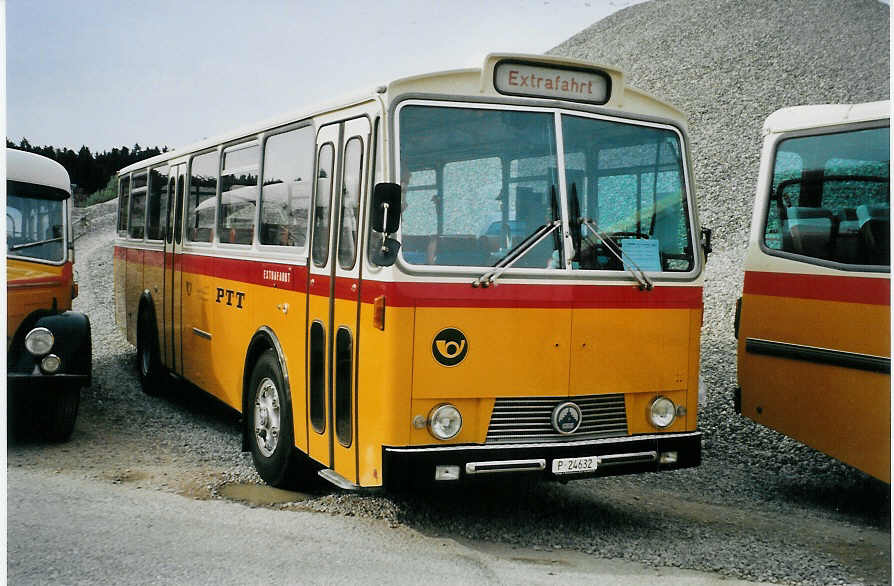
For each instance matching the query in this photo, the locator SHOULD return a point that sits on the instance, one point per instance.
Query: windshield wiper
(645, 284)
(30, 244)
(530, 241)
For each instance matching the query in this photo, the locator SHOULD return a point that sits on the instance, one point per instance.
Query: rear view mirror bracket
(385, 219)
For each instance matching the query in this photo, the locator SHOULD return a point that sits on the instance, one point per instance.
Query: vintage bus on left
(48, 346)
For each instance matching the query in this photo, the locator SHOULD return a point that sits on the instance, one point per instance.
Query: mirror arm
(385, 226)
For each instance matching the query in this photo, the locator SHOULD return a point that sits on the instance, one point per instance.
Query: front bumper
(16, 381)
(620, 455)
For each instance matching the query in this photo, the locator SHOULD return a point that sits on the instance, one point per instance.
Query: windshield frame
(557, 109)
(38, 191)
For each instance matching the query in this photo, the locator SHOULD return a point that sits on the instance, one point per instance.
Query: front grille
(527, 419)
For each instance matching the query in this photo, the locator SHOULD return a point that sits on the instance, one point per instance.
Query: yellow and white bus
(814, 321)
(470, 272)
(48, 346)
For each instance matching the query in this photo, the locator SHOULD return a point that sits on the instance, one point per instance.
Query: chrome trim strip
(630, 458)
(828, 356)
(548, 445)
(201, 333)
(497, 466)
(279, 354)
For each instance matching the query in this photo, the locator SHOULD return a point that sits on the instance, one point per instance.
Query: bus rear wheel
(269, 422)
(148, 361)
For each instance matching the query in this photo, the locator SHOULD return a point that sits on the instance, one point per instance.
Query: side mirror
(384, 220)
(385, 211)
(383, 253)
(706, 241)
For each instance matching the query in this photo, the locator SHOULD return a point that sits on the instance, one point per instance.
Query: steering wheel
(620, 235)
(506, 237)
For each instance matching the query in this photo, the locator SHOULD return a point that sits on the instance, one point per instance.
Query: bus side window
(286, 188)
(202, 197)
(137, 224)
(123, 203)
(238, 194)
(830, 197)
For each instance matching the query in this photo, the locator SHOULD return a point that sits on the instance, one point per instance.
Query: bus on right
(814, 321)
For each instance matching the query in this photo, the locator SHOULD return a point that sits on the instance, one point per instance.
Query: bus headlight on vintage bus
(50, 363)
(445, 421)
(39, 341)
(662, 412)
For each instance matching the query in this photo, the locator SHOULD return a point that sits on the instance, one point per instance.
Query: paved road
(67, 530)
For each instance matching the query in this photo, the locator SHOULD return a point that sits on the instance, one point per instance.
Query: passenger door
(334, 293)
(172, 269)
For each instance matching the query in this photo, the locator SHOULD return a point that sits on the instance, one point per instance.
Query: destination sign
(525, 79)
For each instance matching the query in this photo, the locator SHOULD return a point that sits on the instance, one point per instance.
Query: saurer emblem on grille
(566, 418)
(449, 347)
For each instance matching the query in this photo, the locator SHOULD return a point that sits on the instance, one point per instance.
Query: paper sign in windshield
(642, 252)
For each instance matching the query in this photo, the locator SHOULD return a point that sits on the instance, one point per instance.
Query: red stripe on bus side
(153, 258)
(294, 278)
(533, 296)
(269, 274)
(873, 291)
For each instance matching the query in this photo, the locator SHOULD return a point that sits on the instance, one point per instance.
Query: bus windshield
(34, 227)
(478, 181)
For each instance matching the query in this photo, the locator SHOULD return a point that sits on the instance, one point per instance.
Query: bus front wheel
(57, 411)
(269, 422)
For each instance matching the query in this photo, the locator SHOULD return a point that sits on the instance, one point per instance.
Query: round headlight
(444, 422)
(50, 363)
(39, 341)
(662, 412)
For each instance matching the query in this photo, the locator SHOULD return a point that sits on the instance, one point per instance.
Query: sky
(107, 73)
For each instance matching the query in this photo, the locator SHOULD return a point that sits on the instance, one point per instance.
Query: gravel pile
(728, 64)
(760, 507)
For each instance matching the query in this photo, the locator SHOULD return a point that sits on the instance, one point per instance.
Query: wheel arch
(263, 339)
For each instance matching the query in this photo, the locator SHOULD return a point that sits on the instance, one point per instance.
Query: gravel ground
(761, 506)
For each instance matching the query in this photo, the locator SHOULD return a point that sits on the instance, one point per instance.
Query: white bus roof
(37, 169)
(819, 115)
(463, 83)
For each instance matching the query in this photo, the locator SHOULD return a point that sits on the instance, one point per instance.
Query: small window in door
(344, 353)
(157, 204)
(323, 205)
(350, 203)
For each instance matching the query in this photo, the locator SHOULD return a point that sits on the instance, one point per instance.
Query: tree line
(88, 171)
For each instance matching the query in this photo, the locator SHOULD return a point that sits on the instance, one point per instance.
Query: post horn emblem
(449, 347)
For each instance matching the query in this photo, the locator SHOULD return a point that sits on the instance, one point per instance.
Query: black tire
(56, 413)
(268, 420)
(152, 373)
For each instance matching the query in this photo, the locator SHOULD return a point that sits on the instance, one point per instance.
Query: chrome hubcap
(145, 358)
(266, 417)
